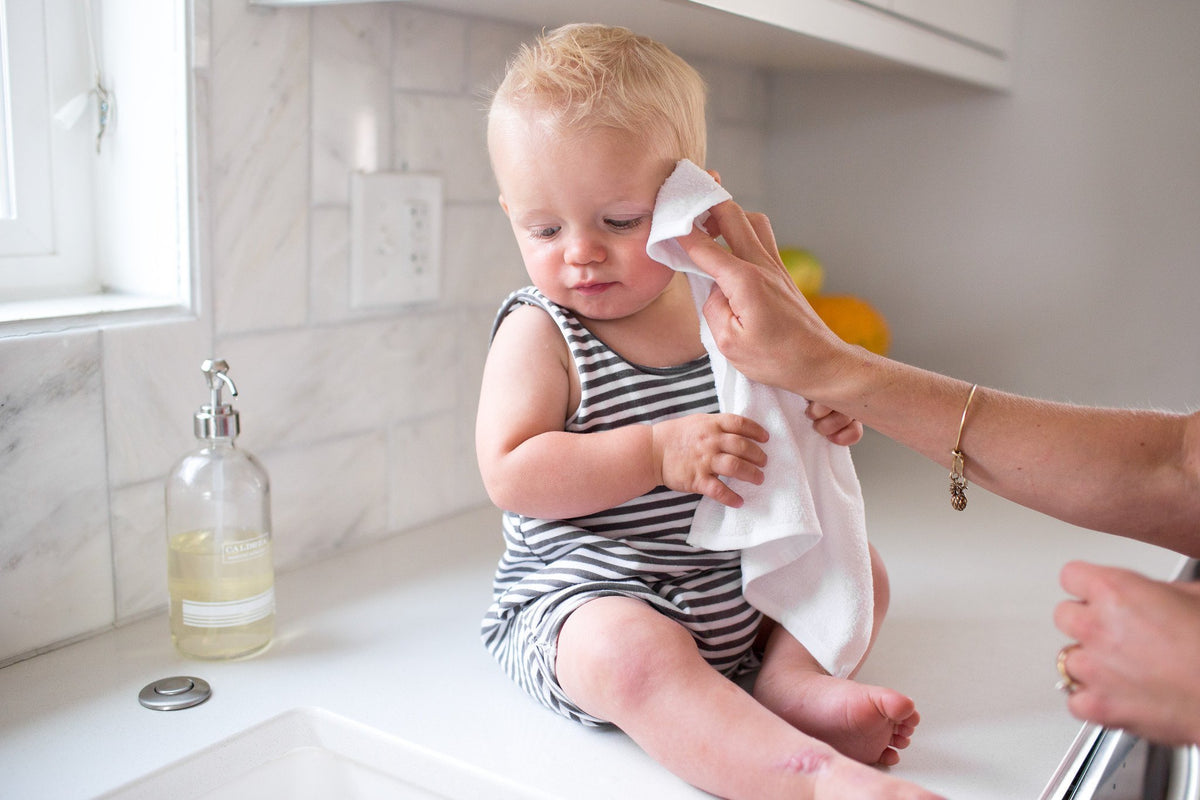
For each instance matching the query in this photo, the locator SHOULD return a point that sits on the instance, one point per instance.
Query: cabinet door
(968, 40)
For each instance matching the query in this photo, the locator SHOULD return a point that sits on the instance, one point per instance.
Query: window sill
(55, 315)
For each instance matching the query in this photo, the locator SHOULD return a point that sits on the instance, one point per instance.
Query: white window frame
(117, 236)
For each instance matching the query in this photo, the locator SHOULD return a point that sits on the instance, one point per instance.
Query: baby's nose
(583, 248)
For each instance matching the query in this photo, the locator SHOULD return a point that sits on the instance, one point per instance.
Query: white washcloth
(802, 532)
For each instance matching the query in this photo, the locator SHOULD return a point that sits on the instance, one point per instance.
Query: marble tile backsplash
(364, 419)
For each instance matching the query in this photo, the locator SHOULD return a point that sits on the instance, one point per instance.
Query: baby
(598, 433)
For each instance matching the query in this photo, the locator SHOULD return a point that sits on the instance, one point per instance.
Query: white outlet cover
(395, 238)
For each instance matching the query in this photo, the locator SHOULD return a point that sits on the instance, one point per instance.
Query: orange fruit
(854, 320)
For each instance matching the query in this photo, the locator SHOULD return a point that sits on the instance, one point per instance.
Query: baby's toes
(898, 708)
(905, 728)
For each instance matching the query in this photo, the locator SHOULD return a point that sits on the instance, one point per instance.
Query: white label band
(229, 613)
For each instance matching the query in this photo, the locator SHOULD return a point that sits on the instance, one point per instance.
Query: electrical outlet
(395, 238)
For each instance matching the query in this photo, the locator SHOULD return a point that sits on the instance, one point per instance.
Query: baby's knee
(615, 651)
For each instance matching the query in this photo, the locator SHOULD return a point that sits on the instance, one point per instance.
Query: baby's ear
(716, 176)
(503, 204)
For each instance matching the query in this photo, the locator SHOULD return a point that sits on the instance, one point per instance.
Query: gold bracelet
(958, 483)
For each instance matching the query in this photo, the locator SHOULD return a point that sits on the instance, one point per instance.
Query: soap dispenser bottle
(219, 570)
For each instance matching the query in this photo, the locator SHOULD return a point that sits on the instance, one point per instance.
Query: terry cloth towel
(802, 533)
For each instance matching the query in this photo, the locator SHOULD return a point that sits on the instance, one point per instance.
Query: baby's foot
(866, 723)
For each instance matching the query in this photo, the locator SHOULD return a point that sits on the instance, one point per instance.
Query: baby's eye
(624, 224)
(544, 233)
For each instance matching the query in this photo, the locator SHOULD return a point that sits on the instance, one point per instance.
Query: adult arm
(1133, 473)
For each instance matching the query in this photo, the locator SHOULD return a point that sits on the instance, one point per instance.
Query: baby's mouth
(588, 289)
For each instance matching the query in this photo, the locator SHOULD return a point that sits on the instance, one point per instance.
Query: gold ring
(1068, 683)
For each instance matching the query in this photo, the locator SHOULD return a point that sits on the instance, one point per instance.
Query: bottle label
(229, 613)
(246, 549)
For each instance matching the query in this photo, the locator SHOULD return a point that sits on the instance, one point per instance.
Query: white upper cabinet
(968, 40)
(980, 23)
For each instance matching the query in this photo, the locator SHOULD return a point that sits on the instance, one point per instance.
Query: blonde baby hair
(583, 76)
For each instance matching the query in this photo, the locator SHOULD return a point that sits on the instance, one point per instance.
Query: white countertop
(387, 636)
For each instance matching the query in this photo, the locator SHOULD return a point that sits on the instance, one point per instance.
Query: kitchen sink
(1109, 764)
(310, 753)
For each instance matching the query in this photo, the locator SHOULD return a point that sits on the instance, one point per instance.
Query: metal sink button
(172, 694)
(177, 685)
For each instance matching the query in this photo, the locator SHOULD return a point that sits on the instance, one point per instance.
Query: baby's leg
(867, 723)
(621, 660)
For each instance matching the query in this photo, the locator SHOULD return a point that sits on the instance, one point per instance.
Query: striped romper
(638, 549)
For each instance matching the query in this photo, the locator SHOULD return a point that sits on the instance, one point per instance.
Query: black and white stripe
(638, 549)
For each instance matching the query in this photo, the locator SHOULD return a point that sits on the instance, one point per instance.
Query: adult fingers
(1075, 577)
(766, 235)
(1077, 663)
(744, 238)
(1072, 618)
(1089, 586)
(1091, 582)
(712, 259)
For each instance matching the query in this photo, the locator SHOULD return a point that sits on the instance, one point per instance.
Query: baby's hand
(834, 425)
(693, 453)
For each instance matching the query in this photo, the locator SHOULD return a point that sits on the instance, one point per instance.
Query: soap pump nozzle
(217, 420)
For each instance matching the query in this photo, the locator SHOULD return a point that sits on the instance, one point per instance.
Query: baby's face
(580, 207)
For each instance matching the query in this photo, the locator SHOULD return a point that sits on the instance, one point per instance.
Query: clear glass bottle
(220, 574)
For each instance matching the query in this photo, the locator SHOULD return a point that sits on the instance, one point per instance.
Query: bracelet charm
(958, 484)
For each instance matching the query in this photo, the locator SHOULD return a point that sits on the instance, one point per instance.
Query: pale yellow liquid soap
(222, 594)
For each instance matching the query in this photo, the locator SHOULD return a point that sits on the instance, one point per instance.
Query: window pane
(28, 228)
(7, 201)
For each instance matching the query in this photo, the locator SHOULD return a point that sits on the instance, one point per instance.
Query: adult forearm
(1132, 473)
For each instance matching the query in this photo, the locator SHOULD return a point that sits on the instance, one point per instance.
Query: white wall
(364, 419)
(1043, 241)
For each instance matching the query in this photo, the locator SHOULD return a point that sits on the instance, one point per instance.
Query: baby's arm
(532, 467)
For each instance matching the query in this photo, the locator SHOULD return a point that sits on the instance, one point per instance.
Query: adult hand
(759, 318)
(1139, 647)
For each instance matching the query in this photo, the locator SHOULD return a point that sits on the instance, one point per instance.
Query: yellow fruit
(854, 320)
(804, 268)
